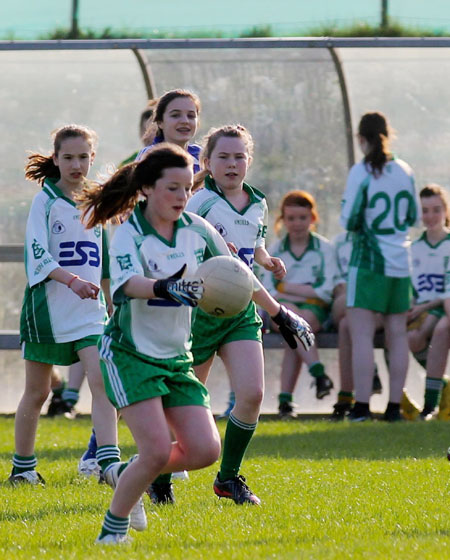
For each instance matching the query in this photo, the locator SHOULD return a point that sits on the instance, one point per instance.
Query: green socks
(163, 479)
(345, 397)
(113, 525)
(285, 398)
(237, 437)
(106, 455)
(23, 464)
(317, 369)
(421, 357)
(433, 388)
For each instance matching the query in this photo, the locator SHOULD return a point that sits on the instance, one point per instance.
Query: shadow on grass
(369, 441)
(50, 510)
(67, 453)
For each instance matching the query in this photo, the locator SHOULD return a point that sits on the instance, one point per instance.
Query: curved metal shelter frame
(298, 96)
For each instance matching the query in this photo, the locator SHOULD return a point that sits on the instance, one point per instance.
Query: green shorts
(210, 333)
(383, 294)
(132, 377)
(438, 312)
(320, 312)
(57, 353)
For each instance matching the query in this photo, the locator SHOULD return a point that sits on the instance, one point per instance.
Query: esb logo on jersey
(79, 253)
(429, 282)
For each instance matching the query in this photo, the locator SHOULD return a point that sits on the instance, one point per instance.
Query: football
(228, 285)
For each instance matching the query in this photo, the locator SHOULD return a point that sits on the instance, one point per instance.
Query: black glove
(175, 288)
(290, 325)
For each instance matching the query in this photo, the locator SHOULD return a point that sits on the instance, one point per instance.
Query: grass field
(372, 490)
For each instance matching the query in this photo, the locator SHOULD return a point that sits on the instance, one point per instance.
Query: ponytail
(199, 179)
(373, 127)
(120, 193)
(40, 167)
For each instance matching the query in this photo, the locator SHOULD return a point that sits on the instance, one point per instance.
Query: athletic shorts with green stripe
(383, 294)
(210, 333)
(131, 377)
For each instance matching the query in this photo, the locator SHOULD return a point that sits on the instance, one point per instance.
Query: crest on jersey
(58, 227)
(221, 229)
(38, 251)
(125, 262)
(97, 231)
(153, 266)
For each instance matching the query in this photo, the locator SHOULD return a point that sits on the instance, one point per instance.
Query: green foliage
(63, 33)
(363, 29)
(359, 29)
(258, 31)
(329, 491)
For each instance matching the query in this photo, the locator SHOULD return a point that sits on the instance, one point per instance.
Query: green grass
(328, 491)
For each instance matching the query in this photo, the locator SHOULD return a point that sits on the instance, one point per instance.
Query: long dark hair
(153, 131)
(375, 129)
(120, 193)
(41, 167)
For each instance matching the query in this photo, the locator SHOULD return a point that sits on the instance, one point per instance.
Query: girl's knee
(207, 453)
(155, 458)
(252, 399)
(38, 396)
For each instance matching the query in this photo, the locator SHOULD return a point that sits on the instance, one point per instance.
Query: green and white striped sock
(23, 464)
(114, 525)
(106, 455)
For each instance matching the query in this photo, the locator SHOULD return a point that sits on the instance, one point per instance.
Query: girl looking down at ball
(239, 212)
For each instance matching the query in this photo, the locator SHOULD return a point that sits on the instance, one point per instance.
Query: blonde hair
(209, 142)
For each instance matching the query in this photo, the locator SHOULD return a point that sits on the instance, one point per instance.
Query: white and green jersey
(430, 269)
(246, 228)
(55, 237)
(315, 267)
(343, 246)
(380, 210)
(156, 327)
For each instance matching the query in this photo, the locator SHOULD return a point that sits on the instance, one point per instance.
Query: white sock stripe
(433, 384)
(108, 452)
(240, 424)
(24, 463)
(113, 375)
(115, 526)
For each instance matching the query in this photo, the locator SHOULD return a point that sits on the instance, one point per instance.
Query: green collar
(144, 227)
(424, 237)
(286, 246)
(53, 191)
(254, 194)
